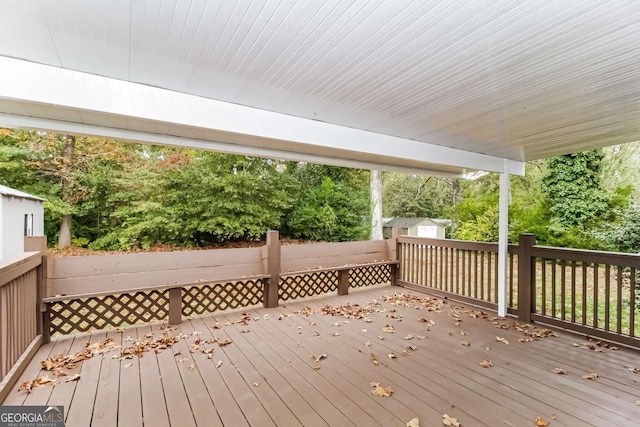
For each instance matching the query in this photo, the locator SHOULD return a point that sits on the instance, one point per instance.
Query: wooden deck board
(442, 376)
(130, 394)
(154, 406)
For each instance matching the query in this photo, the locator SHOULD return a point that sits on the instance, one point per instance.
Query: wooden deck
(268, 375)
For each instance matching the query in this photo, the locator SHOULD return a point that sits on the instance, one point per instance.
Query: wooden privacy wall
(87, 293)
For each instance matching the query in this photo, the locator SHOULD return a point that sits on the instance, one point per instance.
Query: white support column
(503, 244)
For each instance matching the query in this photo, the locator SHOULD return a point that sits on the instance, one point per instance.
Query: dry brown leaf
(540, 422)
(223, 342)
(184, 359)
(414, 422)
(486, 363)
(408, 337)
(389, 329)
(559, 371)
(449, 421)
(374, 359)
(256, 384)
(192, 367)
(380, 337)
(218, 363)
(392, 356)
(368, 343)
(128, 365)
(590, 376)
(575, 344)
(465, 343)
(463, 332)
(413, 347)
(217, 325)
(26, 386)
(336, 334)
(634, 370)
(381, 391)
(316, 368)
(319, 358)
(502, 340)
(74, 377)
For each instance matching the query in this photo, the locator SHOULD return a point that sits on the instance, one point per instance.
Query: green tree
(332, 203)
(413, 195)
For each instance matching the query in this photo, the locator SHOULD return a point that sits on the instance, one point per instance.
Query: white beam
(503, 243)
(45, 85)
(21, 122)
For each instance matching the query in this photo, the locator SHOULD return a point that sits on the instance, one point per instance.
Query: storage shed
(21, 215)
(417, 227)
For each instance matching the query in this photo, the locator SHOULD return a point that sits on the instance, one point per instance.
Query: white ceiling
(519, 79)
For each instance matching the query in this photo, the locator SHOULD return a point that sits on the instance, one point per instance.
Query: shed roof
(8, 191)
(408, 222)
(446, 86)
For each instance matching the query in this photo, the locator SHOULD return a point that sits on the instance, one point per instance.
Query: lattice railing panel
(307, 285)
(224, 296)
(85, 314)
(369, 276)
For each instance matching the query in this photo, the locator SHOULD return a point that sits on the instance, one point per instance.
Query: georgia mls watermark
(31, 416)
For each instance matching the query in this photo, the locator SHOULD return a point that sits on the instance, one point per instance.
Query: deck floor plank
(275, 352)
(154, 406)
(130, 394)
(105, 410)
(81, 405)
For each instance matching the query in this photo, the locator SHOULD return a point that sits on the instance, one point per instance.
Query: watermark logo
(31, 416)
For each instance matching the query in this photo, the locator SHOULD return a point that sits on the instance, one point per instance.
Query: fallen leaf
(217, 325)
(575, 344)
(218, 363)
(465, 343)
(449, 421)
(368, 343)
(223, 342)
(634, 370)
(184, 359)
(540, 422)
(319, 358)
(74, 377)
(374, 359)
(413, 347)
(336, 334)
(414, 422)
(486, 363)
(559, 371)
(363, 330)
(392, 356)
(192, 367)
(591, 376)
(381, 391)
(256, 384)
(502, 340)
(389, 329)
(408, 337)
(380, 337)
(463, 332)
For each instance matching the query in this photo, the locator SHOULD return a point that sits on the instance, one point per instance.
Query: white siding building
(21, 215)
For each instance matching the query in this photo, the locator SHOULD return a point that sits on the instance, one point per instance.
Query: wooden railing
(97, 292)
(467, 271)
(590, 292)
(20, 327)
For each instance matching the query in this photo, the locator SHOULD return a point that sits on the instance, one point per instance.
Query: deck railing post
(343, 282)
(175, 306)
(395, 268)
(272, 269)
(526, 280)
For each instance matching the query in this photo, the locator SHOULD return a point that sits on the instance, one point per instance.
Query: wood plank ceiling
(515, 79)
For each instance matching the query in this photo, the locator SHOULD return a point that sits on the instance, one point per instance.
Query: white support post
(503, 244)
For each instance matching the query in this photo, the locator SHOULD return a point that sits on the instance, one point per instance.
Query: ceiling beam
(226, 127)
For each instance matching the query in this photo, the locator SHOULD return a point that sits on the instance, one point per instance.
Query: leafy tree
(413, 196)
(332, 203)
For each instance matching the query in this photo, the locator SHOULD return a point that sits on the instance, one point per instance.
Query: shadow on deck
(271, 374)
